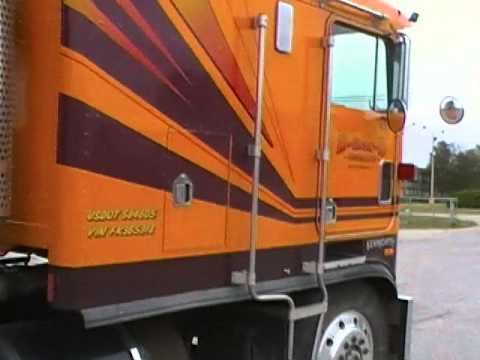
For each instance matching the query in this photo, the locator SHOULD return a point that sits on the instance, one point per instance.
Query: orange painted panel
(271, 232)
(199, 226)
(195, 229)
(360, 142)
(95, 224)
(295, 125)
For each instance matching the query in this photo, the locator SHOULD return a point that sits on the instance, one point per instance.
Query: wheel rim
(347, 337)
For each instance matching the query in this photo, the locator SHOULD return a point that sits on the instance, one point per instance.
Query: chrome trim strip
(140, 309)
(332, 265)
(117, 313)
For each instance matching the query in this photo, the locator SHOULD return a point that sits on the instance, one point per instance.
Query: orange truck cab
(201, 179)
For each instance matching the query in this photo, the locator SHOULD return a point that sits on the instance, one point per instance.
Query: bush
(468, 199)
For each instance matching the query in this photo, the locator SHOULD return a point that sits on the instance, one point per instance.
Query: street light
(432, 167)
(432, 172)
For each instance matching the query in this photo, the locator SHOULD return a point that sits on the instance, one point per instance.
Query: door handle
(331, 217)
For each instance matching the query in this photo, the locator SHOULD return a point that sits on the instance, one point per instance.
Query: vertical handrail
(255, 151)
(324, 160)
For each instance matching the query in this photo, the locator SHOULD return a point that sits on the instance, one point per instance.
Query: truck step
(303, 312)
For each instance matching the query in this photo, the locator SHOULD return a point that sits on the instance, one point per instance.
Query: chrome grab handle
(255, 151)
(262, 23)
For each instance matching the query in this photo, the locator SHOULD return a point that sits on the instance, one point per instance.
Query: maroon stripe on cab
(95, 142)
(117, 15)
(365, 216)
(356, 202)
(92, 141)
(209, 112)
(85, 287)
(359, 201)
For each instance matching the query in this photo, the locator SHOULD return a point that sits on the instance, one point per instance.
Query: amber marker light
(389, 251)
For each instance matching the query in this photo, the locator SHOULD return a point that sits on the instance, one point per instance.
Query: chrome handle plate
(331, 212)
(182, 191)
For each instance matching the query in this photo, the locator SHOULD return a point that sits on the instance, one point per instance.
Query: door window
(360, 79)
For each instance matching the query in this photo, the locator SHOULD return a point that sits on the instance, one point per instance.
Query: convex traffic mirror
(451, 110)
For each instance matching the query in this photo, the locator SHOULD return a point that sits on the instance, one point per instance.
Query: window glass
(381, 89)
(359, 70)
(386, 182)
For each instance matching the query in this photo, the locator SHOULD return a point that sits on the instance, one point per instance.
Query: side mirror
(451, 110)
(396, 115)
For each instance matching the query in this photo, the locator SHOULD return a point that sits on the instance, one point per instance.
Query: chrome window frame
(401, 75)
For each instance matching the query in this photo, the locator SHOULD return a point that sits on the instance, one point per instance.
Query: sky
(445, 61)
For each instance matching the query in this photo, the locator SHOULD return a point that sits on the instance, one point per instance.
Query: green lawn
(437, 208)
(433, 222)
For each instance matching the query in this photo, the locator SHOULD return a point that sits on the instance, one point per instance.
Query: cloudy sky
(445, 61)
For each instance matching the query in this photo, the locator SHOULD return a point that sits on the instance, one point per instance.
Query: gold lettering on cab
(129, 216)
(121, 215)
(121, 231)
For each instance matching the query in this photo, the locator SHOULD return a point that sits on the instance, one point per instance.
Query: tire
(157, 338)
(355, 325)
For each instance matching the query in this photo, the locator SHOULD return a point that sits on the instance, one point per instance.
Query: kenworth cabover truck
(201, 179)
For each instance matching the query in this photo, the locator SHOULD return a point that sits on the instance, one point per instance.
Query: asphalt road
(441, 270)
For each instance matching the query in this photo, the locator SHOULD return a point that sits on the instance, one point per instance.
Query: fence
(450, 202)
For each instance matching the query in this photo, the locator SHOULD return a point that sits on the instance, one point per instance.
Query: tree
(456, 170)
(444, 170)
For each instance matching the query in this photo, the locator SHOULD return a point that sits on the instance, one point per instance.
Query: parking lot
(441, 270)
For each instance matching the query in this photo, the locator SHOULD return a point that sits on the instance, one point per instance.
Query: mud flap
(407, 315)
(402, 322)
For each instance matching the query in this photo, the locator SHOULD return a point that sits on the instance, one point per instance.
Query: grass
(433, 222)
(437, 208)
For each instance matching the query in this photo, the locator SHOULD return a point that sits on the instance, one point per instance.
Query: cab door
(363, 149)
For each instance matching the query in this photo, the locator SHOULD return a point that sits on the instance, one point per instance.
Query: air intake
(7, 61)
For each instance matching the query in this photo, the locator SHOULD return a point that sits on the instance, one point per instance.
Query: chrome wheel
(347, 337)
